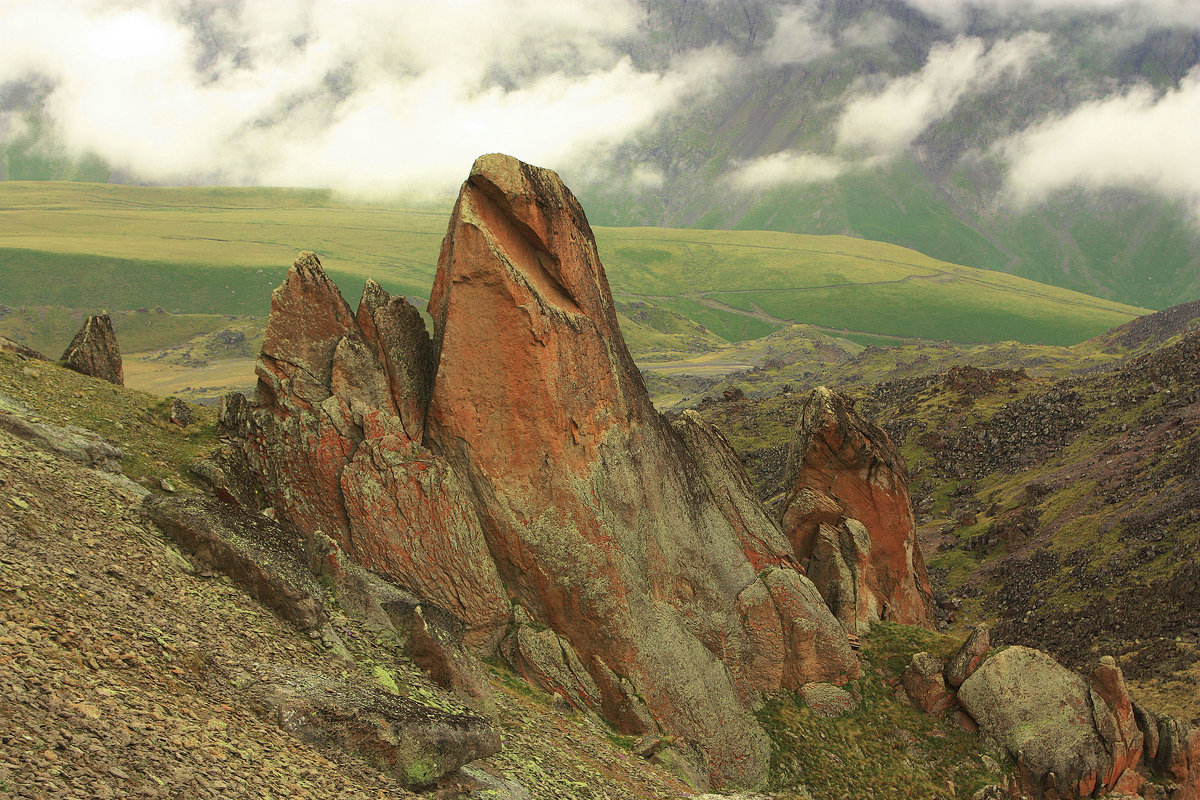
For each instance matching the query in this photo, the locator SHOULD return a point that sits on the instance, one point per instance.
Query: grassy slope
(220, 251)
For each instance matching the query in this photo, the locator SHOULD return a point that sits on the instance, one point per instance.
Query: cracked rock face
(516, 461)
(94, 351)
(849, 517)
(328, 438)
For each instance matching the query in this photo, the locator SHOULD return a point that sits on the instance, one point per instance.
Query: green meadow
(220, 251)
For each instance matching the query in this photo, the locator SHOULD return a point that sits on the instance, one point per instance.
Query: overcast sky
(375, 97)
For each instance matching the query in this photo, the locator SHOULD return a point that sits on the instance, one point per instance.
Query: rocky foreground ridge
(513, 472)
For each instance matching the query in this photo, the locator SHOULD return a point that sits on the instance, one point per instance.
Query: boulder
(435, 644)
(181, 412)
(1112, 709)
(827, 700)
(1044, 715)
(77, 444)
(969, 656)
(22, 351)
(94, 351)
(849, 518)
(924, 685)
(413, 743)
(263, 557)
(609, 525)
(1172, 750)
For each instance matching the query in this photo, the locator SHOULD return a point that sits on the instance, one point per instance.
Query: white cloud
(890, 119)
(1140, 12)
(1136, 139)
(363, 95)
(798, 37)
(789, 168)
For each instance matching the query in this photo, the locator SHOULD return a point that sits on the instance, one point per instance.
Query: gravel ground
(123, 670)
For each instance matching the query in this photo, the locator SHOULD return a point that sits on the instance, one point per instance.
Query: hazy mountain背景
(1056, 141)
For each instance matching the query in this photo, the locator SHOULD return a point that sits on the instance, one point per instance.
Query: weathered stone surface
(435, 644)
(181, 413)
(519, 458)
(1172, 749)
(546, 659)
(604, 522)
(924, 685)
(844, 474)
(1112, 709)
(969, 656)
(335, 449)
(16, 348)
(1042, 713)
(828, 700)
(94, 351)
(413, 743)
(78, 444)
(262, 557)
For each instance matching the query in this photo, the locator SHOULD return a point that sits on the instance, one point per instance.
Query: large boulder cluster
(1071, 736)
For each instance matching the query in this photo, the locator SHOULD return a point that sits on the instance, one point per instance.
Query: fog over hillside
(1059, 139)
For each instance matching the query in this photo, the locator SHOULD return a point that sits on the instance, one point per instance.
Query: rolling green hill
(221, 251)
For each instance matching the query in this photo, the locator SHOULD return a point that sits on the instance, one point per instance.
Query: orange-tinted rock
(842, 468)
(1172, 748)
(94, 351)
(330, 439)
(615, 530)
(522, 447)
(925, 686)
(969, 656)
(1113, 711)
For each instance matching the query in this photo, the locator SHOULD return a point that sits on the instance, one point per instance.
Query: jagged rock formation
(519, 463)
(849, 518)
(334, 438)
(94, 351)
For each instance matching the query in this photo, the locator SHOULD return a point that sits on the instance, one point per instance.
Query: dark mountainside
(481, 564)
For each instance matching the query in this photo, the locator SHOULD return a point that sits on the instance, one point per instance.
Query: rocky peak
(514, 473)
(94, 351)
(849, 518)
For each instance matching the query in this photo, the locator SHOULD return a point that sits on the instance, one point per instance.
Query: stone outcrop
(414, 743)
(923, 683)
(94, 351)
(516, 462)
(334, 439)
(849, 519)
(969, 656)
(77, 444)
(1078, 737)
(262, 557)
(1171, 748)
(608, 524)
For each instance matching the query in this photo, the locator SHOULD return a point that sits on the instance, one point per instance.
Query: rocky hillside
(1063, 508)
(481, 564)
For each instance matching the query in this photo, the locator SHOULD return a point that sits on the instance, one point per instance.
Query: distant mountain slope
(1055, 141)
(221, 251)
(771, 148)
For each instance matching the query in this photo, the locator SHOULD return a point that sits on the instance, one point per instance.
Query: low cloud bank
(1137, 140)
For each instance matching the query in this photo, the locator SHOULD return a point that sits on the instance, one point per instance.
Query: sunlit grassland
(218, 250)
